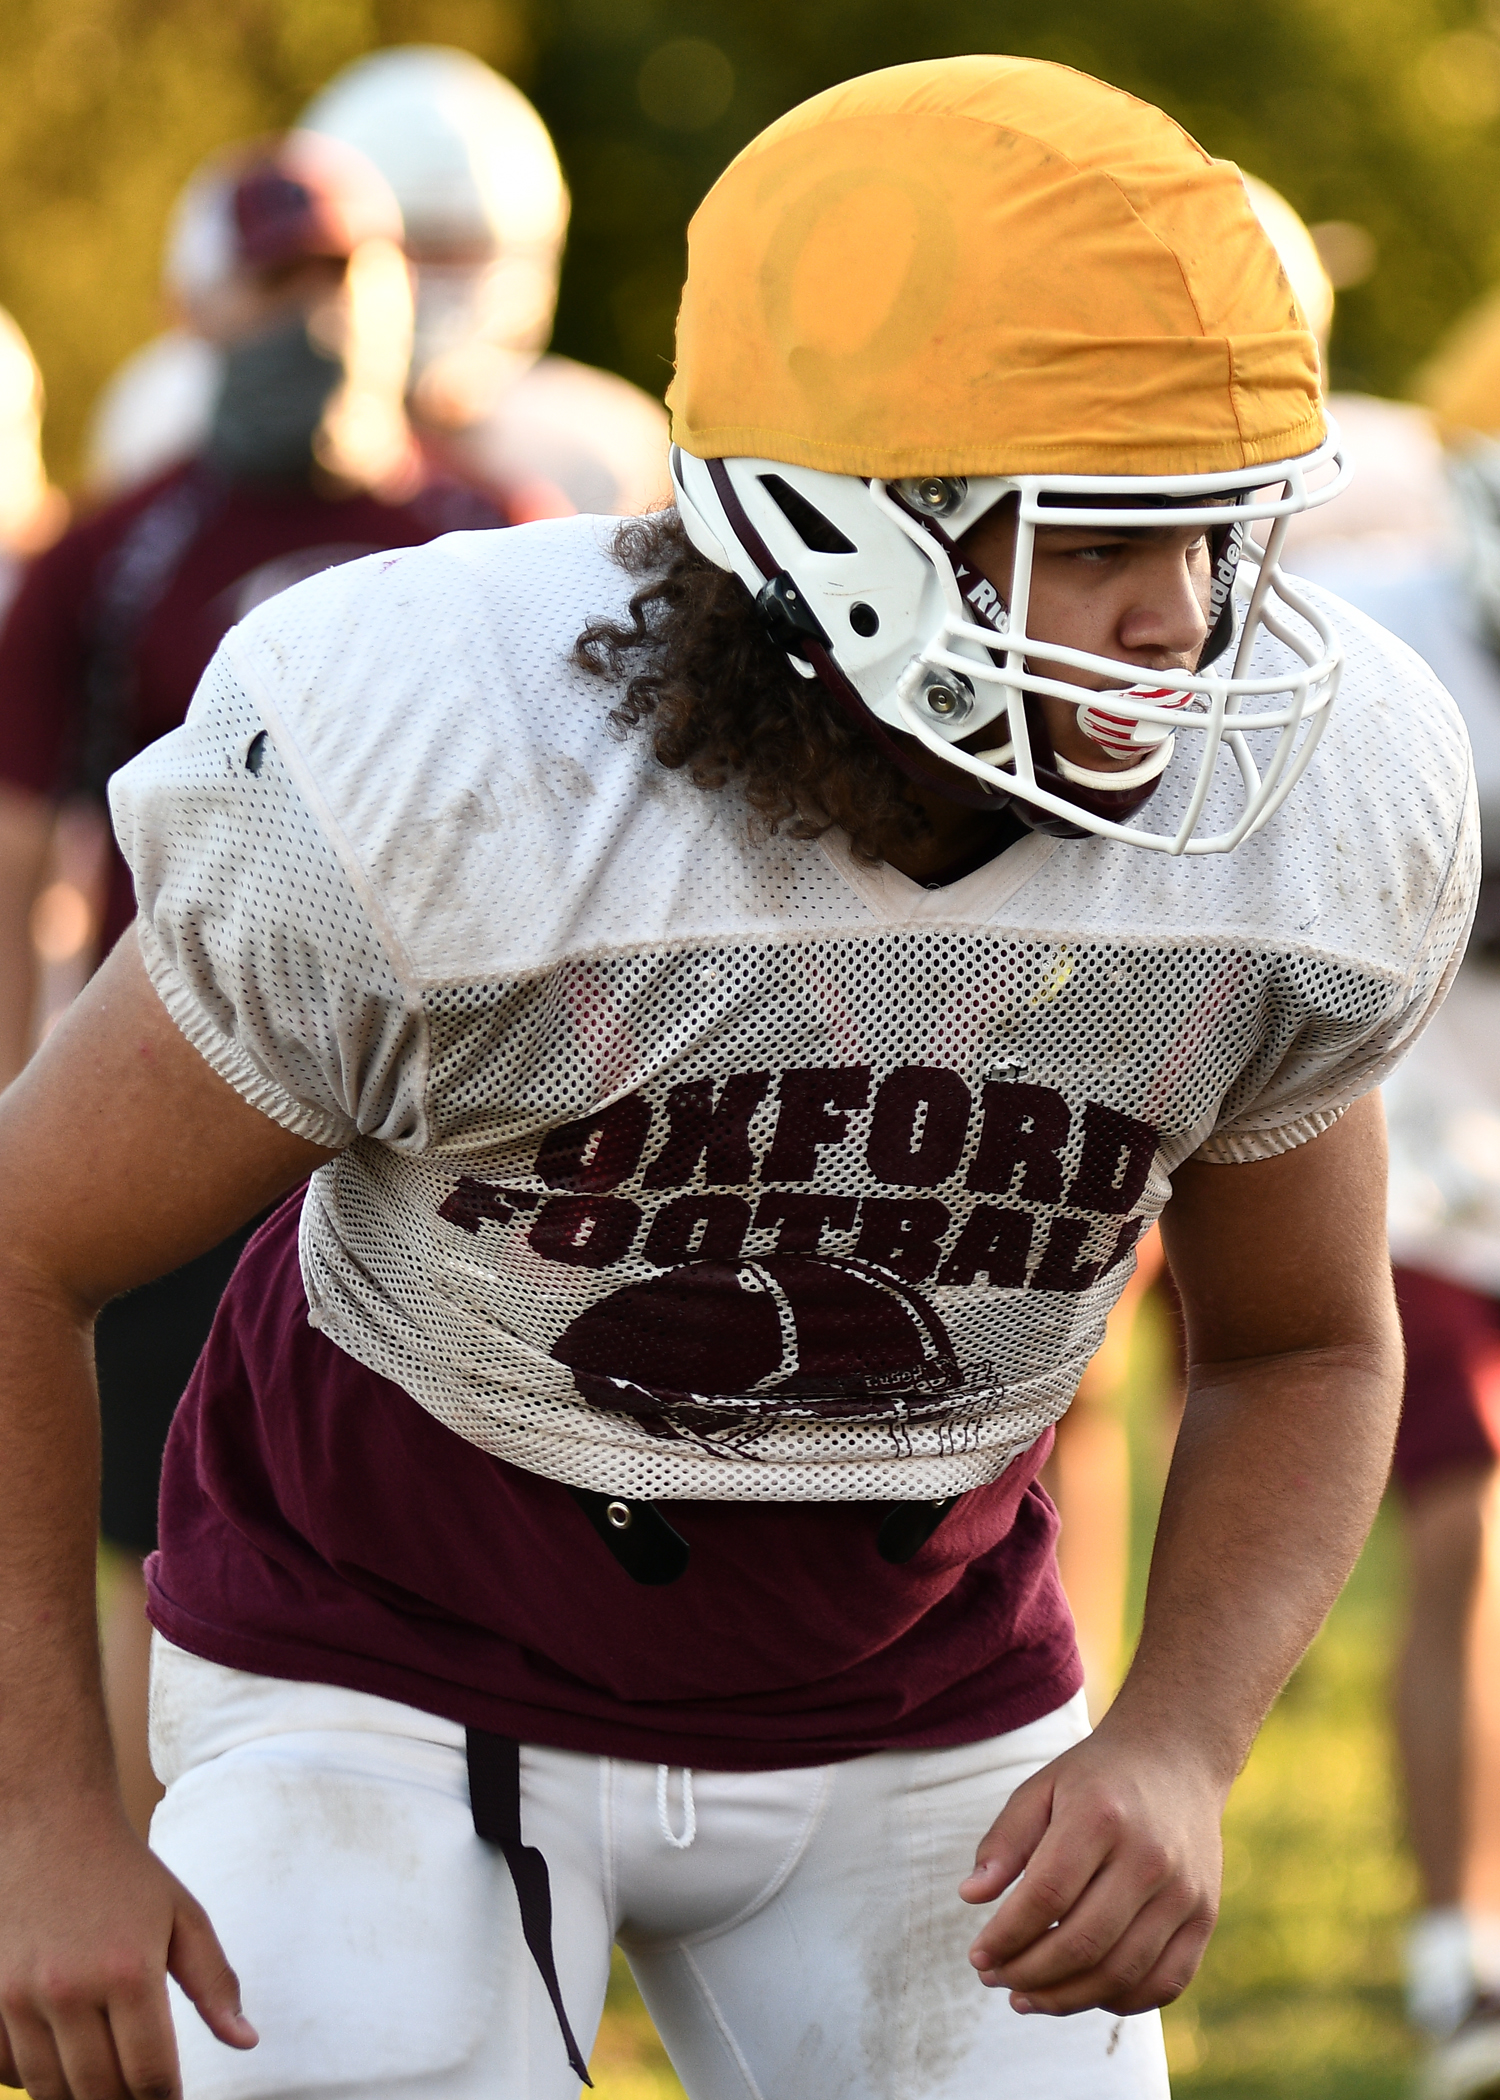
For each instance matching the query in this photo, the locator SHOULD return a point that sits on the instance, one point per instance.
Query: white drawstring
(689, 1808)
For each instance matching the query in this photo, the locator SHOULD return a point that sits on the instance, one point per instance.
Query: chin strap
(1099, 802)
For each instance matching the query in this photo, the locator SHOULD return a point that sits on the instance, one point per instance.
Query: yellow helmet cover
(985, 266)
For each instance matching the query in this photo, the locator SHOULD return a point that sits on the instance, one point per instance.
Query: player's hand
(91, 1924)
(1118, 1847)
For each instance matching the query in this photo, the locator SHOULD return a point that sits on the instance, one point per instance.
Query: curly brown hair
(718, 698)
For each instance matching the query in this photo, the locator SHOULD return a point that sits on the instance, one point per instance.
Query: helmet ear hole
(816, 532)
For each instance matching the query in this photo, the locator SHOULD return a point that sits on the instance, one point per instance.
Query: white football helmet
(485, 205)
(864, 585)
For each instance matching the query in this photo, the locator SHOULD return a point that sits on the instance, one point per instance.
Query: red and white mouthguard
(1103, 720)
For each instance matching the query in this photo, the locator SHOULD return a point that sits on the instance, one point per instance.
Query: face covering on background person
(479, 326)
(275, 391)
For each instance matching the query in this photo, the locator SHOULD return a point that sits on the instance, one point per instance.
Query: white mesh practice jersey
(684, 1165)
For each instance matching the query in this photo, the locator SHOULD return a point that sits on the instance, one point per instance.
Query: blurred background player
(155, 411)
(32, 512)
(486, 212)
(1415, 542)
(291, 250)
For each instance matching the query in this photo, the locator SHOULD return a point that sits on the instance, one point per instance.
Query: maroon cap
(278, 218)
(277, 201)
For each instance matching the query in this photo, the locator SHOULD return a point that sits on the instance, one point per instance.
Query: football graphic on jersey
(713, 1348)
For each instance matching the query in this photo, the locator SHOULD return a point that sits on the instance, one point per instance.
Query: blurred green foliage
(1299, 1996)
(1385, 113)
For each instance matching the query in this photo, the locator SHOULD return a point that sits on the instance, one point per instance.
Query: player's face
(1140, 596)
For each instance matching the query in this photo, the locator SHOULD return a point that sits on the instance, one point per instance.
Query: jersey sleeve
(255, 935)
(1350, 1031)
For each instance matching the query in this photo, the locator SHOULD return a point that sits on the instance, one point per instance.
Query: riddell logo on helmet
(1225, 570)
(923, 1130)
(984, 598)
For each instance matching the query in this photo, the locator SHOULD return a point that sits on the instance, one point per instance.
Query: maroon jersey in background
(113, 626)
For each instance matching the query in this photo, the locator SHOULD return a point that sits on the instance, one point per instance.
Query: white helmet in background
(266, 204)
(485, 206)
(1298, 251)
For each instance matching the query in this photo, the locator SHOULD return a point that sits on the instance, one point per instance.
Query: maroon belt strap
(495, 1799)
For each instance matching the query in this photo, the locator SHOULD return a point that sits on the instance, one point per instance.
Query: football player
(292, 249)
(486, 209)
(744, 981)
(1414, 543)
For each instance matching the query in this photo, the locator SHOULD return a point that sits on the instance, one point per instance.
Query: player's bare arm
(1294, 1389)
(25, 833)
(1303, 1351)
(123, 1155)
(1125, 1829)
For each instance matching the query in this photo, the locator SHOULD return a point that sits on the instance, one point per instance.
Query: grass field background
(1299, 1996)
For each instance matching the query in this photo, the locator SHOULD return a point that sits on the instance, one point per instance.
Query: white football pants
(796, 1935)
